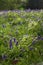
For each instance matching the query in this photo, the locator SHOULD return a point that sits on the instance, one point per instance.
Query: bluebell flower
(42, 38)
(16, 43)
(4, 56)
(31, 48)
(28, 10)
(33, 42)
(5, 11)
(14, 40)
(10, 43)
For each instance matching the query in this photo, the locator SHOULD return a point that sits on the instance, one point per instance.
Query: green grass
(18, 38)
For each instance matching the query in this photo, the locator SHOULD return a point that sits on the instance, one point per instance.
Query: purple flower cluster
(42, 38)
(34, 41)
(38, 38)
(10, 44)
(15, 41)
(31, 48)
(4, 56)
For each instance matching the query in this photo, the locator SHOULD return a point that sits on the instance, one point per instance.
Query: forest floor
(4, 12)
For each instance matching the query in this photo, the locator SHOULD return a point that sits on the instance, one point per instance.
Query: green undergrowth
(21, 38)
